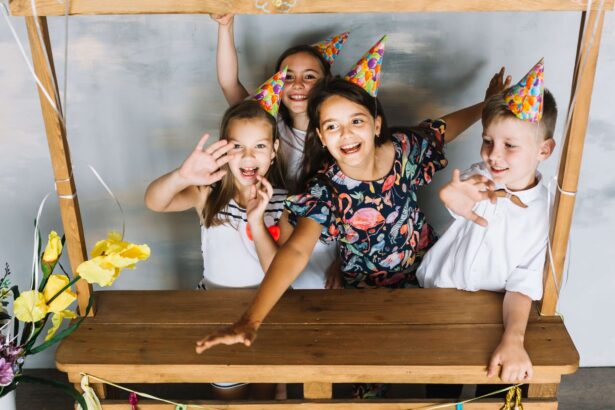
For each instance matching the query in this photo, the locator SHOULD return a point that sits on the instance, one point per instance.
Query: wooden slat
(309, 353)
(317, 390)
(396, 404)
(372, 306)
(58, 149)
(542, 390)
(572, 153)
(79, 7)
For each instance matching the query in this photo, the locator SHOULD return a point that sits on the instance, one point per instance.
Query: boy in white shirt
(499, 237)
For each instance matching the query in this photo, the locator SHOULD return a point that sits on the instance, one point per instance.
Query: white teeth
(351, 146)
(298, 97)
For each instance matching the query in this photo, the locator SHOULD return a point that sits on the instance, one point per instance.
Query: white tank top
(229, 255)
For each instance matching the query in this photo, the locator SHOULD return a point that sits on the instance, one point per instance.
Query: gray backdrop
(143, 89)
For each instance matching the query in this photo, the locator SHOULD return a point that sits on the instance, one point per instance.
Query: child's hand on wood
(334, 279)
(202, 167)
(260, 195)
(497, 84)
(514, 360)
(222, 19)
(461, 196)
(243, 331)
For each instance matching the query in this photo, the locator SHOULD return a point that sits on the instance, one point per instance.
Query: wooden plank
(317, 390)
(395, 404)
(542, 390)
(372, 306)
(42, 59)
(572, 153)
(92, 7)
(308, 353)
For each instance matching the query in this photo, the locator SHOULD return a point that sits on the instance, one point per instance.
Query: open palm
(202, 167)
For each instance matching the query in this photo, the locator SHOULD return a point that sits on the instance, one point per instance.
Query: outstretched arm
(227, 65)
(510, 353)
(459, 121)
(288, 263)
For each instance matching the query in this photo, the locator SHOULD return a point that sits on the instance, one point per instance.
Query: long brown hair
(303, 48)
(315, 156)
(224, 191)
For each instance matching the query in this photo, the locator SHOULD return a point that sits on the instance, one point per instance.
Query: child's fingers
(252, 192)
(479, 220)
(508, 81)
(217, 176)
(224, 160)
(456, 175)
(267, 186)
(529, 373)
(201, 144)
(219, 148)
(492, 370)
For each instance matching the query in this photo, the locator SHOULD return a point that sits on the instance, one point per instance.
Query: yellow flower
(54, 284)
(56, 321)
(109, 256)
(30, 306)
(53, 248)
(98, 271)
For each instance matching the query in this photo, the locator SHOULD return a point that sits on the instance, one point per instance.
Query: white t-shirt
(229, 255)
(507, 255)
(292, 142)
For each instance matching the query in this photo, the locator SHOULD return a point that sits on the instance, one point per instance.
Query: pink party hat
(524, 99)
(330, 48)
(269, 93)
(366, 72)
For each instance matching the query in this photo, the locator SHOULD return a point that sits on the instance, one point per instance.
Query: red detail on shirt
(274, 231)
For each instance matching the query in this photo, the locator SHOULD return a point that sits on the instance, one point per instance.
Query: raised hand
(202, 167)
(498, 83)
(461, 196)
(222, 19)
(242, 331)
(260, 195)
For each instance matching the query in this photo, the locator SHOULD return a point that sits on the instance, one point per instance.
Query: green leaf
(65, 387)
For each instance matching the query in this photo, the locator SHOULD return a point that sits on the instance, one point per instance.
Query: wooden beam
(42, 59)
(317, 390)
(94, 7)
(572, 152)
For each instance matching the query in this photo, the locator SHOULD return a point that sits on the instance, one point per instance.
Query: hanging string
(181, 406)
(5, 13)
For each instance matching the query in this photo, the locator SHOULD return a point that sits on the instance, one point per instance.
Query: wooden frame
(583, 78)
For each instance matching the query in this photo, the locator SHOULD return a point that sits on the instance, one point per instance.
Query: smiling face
(512, 150)
(348, 131)
(254, 150)
(304, 71)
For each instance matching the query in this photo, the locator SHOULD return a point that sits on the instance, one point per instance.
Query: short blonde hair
(496, 107)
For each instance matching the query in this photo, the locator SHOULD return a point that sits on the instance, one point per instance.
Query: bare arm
(288, 263)
(459, 121)
(179, 189)
(226, 61)
(510, 353)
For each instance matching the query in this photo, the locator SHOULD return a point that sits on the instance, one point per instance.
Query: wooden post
(58, 148)
(572, 152)
(542, 391)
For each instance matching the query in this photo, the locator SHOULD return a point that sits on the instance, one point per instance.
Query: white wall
(142, 89)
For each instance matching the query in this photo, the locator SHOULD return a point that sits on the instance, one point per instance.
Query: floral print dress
(381, 231)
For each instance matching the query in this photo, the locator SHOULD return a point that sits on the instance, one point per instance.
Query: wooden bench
(312, 337)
